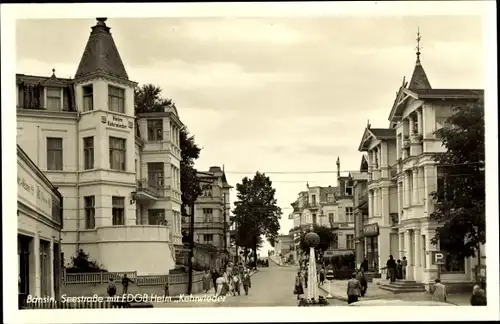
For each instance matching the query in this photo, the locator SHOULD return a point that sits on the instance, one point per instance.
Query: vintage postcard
(249, 160)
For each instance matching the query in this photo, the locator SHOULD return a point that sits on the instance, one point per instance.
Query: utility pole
(191, 248)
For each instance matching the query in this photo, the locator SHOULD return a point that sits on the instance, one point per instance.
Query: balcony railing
(150, 187)
(312, 205)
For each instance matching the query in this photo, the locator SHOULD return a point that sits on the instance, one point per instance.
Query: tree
(256, 212)
(460, 195)
(81, 262)
(326, 238)
(148, 99)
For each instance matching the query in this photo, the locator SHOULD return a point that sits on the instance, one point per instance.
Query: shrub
(81, 263)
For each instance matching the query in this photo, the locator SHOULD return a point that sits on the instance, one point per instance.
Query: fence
(154, 280)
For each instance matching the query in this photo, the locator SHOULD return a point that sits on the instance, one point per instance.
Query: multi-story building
(211, 218)
(285, 247)
(330, 207)
(119, 173)
(418, 111)
(360, 193)
(39, 224)
(380, 231)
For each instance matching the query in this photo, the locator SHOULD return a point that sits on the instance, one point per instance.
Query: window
(54, 99)
(208, 238)
(348, 191)
(156, 216)
(314, 219)
(208, 215)
(118, 210)
(445, 192)
(331, 218)
(89, 205)
(330, 197)
(117, 154)
(313, 200)
(349, 214)
(88, 153)
(155, 130)
(116, 99)
(350, 241)
(207, 191)
(156, 175)
(88, 98)
(335, 242)
(54, 153)
(56, 211)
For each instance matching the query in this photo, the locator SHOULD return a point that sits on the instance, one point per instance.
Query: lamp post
(312, 240)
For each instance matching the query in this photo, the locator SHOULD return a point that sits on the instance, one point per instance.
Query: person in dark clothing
(362, 282)
(364, 265)
(215, 275)
(478, 297)
(391, 268)
(353, 289)
(111, 288)
(125, 282)
(399, 269)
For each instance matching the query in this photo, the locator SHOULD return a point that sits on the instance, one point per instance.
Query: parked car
(398, 302)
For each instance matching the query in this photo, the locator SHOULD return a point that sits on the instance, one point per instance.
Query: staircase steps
(403, 286)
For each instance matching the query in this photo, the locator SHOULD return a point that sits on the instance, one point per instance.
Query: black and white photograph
(250, 160)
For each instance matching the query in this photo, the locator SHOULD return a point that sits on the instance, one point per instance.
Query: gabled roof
(42, 80)
(101, 54)
(364, 160)
(377, 133)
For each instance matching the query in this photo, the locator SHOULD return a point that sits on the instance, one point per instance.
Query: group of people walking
(228, 281)
(396, 269)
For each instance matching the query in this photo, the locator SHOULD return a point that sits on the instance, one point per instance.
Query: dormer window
(54, 99)
(155, 130)
(348, 191)
(116, 99)
(88, 98)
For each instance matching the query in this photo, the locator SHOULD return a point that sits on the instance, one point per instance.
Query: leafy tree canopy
(256, 212)
(460, 195)
(148, 99)
(326, 238)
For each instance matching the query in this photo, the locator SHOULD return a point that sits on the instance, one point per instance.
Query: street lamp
(312, 240)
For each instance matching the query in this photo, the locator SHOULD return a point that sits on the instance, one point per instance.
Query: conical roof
(419, 80)
(100, 54)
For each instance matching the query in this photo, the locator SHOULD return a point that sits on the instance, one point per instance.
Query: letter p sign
(438, 258)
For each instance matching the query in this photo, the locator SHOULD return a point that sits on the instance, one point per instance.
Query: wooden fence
(103, 277)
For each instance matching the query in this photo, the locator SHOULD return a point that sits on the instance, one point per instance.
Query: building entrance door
(372, 253)
(23, 253)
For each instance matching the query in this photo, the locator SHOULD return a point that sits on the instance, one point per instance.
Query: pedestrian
(167, 292)
(404, 264)
(399, 270)
(321, 276)
(391, 268)
(353, 289)
(214, 275)
(236, 284)
(364, 265)
(221, 286)
(306, 278)
(206, 281)
(111, 288)
(362, 282)
(298, 288)
(439, 291)
(125, 282)
(478, 297)
(246, 281)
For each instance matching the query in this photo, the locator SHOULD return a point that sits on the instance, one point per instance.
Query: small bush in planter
(312, 302)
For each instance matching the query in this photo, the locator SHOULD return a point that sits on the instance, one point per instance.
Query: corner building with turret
(118, 173)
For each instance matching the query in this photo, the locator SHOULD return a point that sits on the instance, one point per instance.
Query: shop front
(370, 235)
(39, 211)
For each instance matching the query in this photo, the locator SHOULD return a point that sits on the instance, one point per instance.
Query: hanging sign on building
(371, 230)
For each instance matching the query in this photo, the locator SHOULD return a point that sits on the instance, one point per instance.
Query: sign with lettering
(32, 193)
(117, 121)
(371, 230)
(438, 257)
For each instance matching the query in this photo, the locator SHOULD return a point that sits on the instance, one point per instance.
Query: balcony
(147, 191)
(135, 233)
(394, 218)
(393, 172)
(311, 205)
(214, 225)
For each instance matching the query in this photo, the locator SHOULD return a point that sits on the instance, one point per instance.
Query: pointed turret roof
(419, 80)
(100, 54)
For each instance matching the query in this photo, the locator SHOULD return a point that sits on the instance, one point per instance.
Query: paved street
(271, 286)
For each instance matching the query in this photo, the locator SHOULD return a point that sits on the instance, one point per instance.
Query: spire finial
(418, 48)
(368, 124)
(101, 21)
(53, 72)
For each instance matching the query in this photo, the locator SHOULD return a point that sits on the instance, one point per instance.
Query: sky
(284, 96)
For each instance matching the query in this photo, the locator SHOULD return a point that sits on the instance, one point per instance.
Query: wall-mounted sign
(117, 121)
(371, 230)
(32, 193)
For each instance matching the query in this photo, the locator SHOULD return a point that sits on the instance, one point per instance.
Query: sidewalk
(338, 290)
(211, 292)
